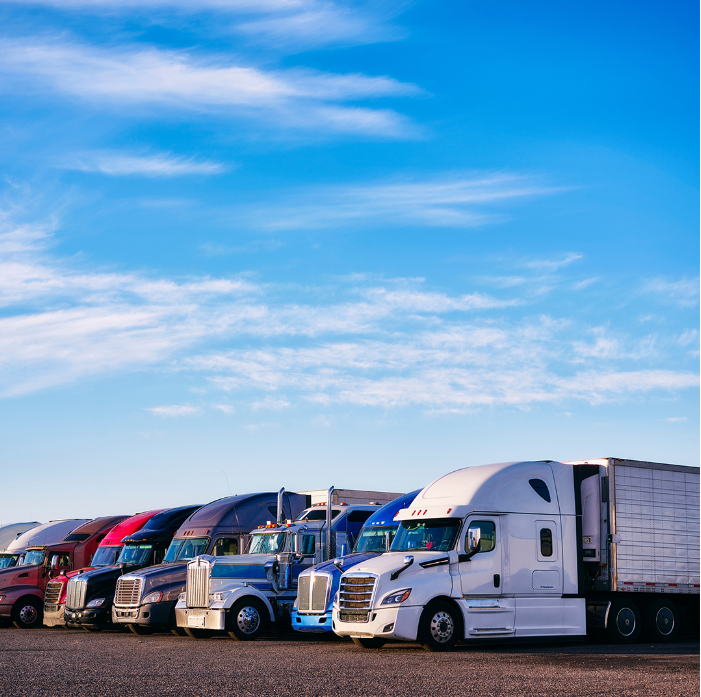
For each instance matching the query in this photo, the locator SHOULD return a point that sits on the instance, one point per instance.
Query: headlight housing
(219, 597)
(2, 598)
(95, 603)
(396, 597)
(154, 597)
(181, 597)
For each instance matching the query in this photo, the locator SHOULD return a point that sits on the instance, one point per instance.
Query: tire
(439, 627)
(368, 643)
(661, 621)
(623, 622)
(140, 629)
(28, 613)
(246, 621)
(198, 633)
(178, 631)
(92, 630)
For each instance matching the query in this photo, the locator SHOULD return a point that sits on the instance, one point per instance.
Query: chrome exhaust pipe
(280, 512)
(329, 497)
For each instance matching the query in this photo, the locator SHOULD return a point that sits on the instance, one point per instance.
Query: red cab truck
(106, 555)
(22, 587)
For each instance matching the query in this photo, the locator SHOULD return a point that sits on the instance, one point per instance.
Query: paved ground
(58, 663)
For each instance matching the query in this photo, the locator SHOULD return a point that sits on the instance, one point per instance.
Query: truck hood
(349, 561)
(161, 576)
(385, 564)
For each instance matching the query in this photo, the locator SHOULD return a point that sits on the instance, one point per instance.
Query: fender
(19, 591)
(242, 592)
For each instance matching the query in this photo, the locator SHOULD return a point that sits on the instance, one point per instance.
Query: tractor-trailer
(534, 549)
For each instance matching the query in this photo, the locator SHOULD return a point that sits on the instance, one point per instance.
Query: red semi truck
(22, 587)
(106, 555)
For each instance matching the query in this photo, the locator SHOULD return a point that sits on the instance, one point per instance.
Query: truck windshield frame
(135, 554)
(106, 556)
(186, 549)
(8, 560)
(34, 557)
(429, 535)
(267, 542)
(374, 539)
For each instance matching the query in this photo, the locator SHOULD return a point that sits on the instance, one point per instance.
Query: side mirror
(54, 561)
(473, 539)
(338, 563)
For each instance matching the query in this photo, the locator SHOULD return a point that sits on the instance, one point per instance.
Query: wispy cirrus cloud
(178, 81)
(119, 164)
(683, 292)
(455, 199)
(174, 410)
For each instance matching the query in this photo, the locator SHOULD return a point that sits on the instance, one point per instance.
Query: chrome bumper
(54, 618)
(196, 618)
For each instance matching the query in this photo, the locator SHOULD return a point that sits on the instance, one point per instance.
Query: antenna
(227, 482)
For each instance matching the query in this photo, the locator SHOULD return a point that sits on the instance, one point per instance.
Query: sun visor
(414, 512)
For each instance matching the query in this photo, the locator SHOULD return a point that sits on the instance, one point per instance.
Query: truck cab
(145, 599)
(245, 594)
(106, 555)
(23, 580)
(89, 595)
(317, 586)
(9, 533)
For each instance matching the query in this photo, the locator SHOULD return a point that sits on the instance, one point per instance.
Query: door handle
(497, 580)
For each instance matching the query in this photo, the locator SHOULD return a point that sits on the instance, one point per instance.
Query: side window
(546, 542)
(359, 516)
(488, 534)
(225, 546)
(540, 488)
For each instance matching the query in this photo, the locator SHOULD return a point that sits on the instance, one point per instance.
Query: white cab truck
(534, 549)
(247, 594)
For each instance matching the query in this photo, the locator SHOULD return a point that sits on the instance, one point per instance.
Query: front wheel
(198, 633)
(368, 643)
(178, 631)
(27, 613)
(439, 627)
(246, 620)
(140, 629)
(624, 622)
(661, 623)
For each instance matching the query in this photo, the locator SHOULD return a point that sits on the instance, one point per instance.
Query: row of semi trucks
(520, 550)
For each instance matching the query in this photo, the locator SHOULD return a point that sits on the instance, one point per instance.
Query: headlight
(96, 603)
(396, 598)
(154, 597)
(219, 597)
(181, 597)
(2, 598)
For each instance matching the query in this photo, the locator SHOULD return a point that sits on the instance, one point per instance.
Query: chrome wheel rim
(442, 627)
(248, 620)
(28, 614)
(625, 621)
(665, 621)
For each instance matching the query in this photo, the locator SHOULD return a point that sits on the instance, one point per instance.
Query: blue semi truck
(312, 610)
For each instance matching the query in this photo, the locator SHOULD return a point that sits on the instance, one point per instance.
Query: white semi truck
(534, 549)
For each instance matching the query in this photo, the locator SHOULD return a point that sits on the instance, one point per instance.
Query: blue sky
(306, 242)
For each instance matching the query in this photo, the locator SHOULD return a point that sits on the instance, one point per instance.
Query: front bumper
(398, 623)
(93, 617)
(53, 615)
(196, 618)
(311, 623)
(151, 614)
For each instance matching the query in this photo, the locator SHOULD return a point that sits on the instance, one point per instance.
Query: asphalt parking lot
(57, 662)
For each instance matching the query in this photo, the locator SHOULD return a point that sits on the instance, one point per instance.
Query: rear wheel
(246, 620)
(661, 621)
(198, 633)
(27, 613)
(368, 642)
(439, 627)
(624, 622)
(140, 629)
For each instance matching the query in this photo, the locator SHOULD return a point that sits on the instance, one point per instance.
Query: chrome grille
(128, 591)
(319, 592)
(53, 595)
(75, 595)
(355, 597)
(303, 583)
(197, 583)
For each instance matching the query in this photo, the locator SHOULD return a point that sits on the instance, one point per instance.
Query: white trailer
(534, 549)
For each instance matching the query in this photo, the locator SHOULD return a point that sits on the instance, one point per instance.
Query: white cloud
(554, 264)
(450, 200)
(684, 292)
(174, 410)
(675, 419)
(321, 421)
(270, 403)
(176, 80)
(225, 408)
(159, 165)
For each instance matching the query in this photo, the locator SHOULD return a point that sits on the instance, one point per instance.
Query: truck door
(487, 613)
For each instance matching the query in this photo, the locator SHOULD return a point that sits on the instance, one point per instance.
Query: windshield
(270, 543)
(186, 549)
(8, 560)
(106, 556)
(435, 535)
(34, 557)
(373, 539)
(135, 554)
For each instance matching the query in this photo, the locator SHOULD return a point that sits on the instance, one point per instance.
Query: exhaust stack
(329, 497)
(280, 512)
